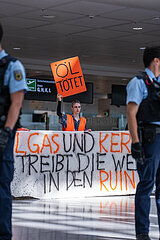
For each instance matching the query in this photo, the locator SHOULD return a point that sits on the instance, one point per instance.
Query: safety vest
(70, 124)
(149, 109)
(5, 100)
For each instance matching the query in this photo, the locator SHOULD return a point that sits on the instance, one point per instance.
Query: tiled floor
(78, 219)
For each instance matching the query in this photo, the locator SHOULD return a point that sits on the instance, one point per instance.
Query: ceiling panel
(132, 14)
(140, 38)
(12, 33)
(62, 28)
(139, 4)
(153, 20)
(12, 9)
(39, 3)
(153, 33)
(129, 28)
(87, 8)
(21, 23)
(103, 34)
(95, 22)
(2, 16)
(50, 15)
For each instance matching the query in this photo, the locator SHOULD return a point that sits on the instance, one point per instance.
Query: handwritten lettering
(83, 163)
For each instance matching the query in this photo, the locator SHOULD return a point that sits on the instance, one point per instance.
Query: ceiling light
(17, 48)
(48, 16)
(137, 28)
(155, 18)
(45, 14)
(91, 16)
(142, 48)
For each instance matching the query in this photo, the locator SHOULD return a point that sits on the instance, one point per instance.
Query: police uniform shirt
(15, 77)
(137, 90)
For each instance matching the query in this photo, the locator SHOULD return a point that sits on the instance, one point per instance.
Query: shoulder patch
(18, 75)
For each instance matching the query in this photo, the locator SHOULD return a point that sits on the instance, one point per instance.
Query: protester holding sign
(72, 122)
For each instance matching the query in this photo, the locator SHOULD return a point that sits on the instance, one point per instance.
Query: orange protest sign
(68, 76)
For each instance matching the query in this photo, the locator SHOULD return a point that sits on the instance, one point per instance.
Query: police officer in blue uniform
(143, 115)
(12, 88)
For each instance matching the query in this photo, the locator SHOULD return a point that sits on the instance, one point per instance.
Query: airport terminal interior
(109, 37)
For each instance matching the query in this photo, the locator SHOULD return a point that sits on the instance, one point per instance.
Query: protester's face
(76, 108)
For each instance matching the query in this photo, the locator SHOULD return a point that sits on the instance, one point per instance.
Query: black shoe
(143, 236)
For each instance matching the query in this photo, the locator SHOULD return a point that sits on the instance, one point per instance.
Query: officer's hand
(4, 136)
(137, 152)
